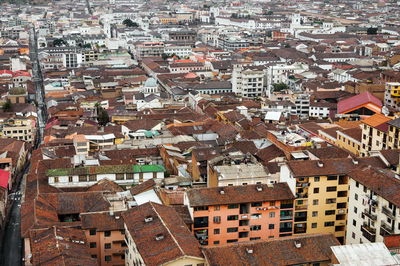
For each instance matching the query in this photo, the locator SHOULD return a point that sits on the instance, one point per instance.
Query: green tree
(279, 86)
(59, 42)
(102, 115)
(129, 23)
(164, 56)
(7, 106)
(372, 31)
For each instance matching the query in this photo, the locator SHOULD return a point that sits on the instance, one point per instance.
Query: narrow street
(11, 253)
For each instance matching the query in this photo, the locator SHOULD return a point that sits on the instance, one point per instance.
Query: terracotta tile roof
(102, 221)
(355, 133)
(391, 156)
(313, 249)
(383, 183)
(328, 167)
(356, 101)
(147, 185)
(177, 240)
(376, 120)
(269, 153)
(59, 246)
(329, 152)
(238, 194)
(105, 185)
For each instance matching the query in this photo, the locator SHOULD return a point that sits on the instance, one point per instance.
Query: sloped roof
(358, 100)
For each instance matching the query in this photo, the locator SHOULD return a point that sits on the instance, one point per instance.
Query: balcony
(244, 217)
(388, 230)
(368, 232)
(387, 212)
(370, 215)
(244, 228)
(286, 206)
(301, 207)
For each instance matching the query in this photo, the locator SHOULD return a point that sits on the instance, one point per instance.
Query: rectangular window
(216, 242)
(232, 217)
(217, 219)
(255, 227)
(355, 196)
(92, 178)
(231, 241)
(92, 244)
(82, 178)
(129, 176)
(314, 225)
(327, 224)
(216, 231)
(314, 214)
(231, 229)
(271, 226)
(256, 216)
(354, 222)
(254, 238)
(216, 208)
(107, 258)
(271, 214)
(330, 189)
(330, 201)
(233, 206)
(70, 179)
(107, 246)
(316, 179)
(256, 204)
(119, 176)
(330, 212)
(315, 202)
(107, 233)
(355, 209)
(316, 190)
(332, 178)
(56, 179)
(92, 232)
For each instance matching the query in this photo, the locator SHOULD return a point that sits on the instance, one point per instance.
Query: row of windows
(232, 206)
(217, 219)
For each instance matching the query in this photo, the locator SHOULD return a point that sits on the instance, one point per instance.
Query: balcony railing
(286, 206)
(388, 212)
(370, 215)
(368, 232)
(285, 218)
(386, 228)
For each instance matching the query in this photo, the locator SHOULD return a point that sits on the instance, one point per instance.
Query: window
(353, 235)
(332, 178)
(216, 242)
(316, 179)
(201, 208)
(271, 226)
(355, 196)
(92, 232)
(315, 202)
(119, 176)
(271, 214)
(365, 189)
(129, 176)
(92, 244)
(330, 189)
(70, 179)
(316, 190)
(216, 208)
(231, 229)
(216, 231)
(232, 217)
(107, 233)
(272, 203)
(107, 245)
(217, 219)
(354, 222)
(355, 209)
(314, 225)
(327, 224)
(231, 241)
(314, 214)
(330, 201)
(256, 216)
(254, 238)
(256, 204)
(330, 212)
(56, 179)
(94, 256)
(82, 178)
(92, 178)
(107, 258)
(233, 206)
(255, 228)
(357, 184)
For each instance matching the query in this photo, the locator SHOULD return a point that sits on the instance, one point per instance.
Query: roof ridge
(162, 221)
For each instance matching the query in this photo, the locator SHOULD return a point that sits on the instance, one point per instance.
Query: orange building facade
(247, 219)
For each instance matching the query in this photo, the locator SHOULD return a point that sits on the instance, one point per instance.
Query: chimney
(320, 164)
(259, 189)
(249, 251)
(355, 161)
(159, 237)
(148, 219)
(297, 244)
(221, 192)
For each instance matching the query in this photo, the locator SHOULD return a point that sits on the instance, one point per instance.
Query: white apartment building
(248, 81)
(374, 208)
(181, 51)
(392, 95)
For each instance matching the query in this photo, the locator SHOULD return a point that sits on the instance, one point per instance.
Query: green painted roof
(105, 169)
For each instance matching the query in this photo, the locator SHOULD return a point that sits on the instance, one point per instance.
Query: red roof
(21, 73)
(5, 72)
(358, 100)
(4, 176)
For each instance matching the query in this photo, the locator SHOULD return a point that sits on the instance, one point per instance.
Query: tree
(7, 106)
(287, 45)
(102, 115)
(372, 31)
(164, 56)
(279, 86)
(129, 23)
(59, 42)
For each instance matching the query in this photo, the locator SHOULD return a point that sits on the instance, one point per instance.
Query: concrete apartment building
(392, 95)
(18, 128)
(156, 235)
(240, 213)
(321, 189)
(374, 134)
(149, 49)
(248, 81)
(374, 207)
(350, 140)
